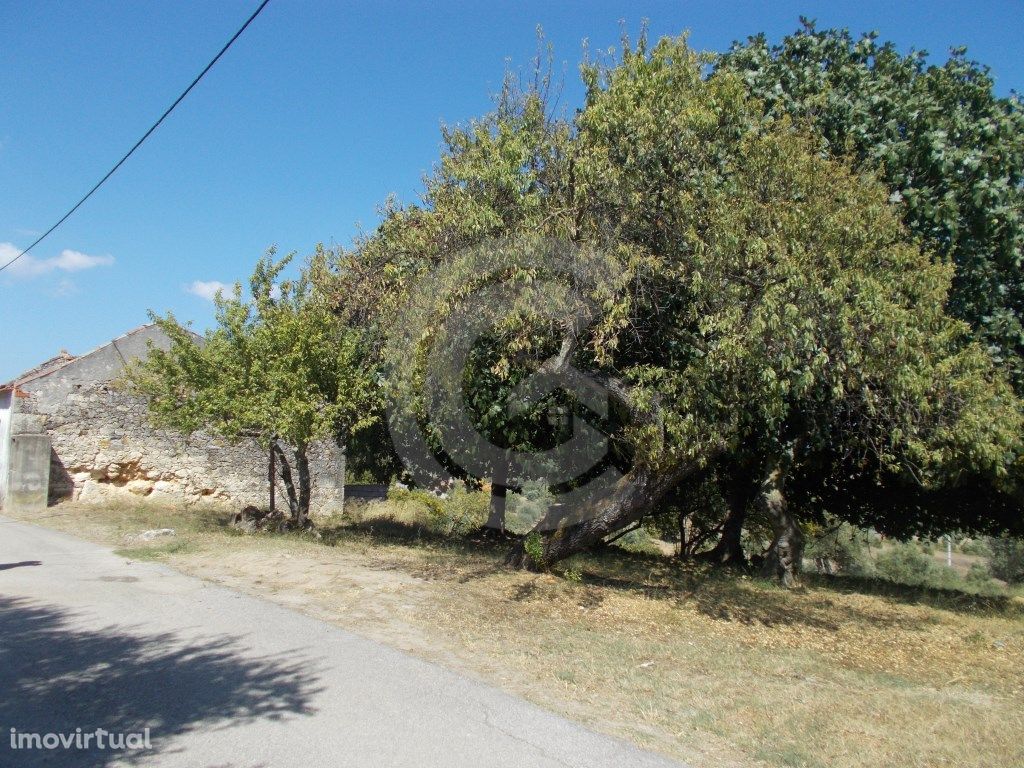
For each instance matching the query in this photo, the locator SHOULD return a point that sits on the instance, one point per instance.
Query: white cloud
(207, 289)
(66, 261)
(75, 261)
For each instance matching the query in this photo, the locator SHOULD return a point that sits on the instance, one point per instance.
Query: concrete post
(28, 482)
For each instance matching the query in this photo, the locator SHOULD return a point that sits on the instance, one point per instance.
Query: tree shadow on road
(21, 564)
(56, 676)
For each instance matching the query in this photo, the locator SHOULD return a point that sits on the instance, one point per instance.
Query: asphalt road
(89, 640)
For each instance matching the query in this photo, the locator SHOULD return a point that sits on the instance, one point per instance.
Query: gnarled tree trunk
(729, 549)
(785, 555)
(739, 492)
(563, 533)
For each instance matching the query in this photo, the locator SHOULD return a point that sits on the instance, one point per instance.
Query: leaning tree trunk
(298, 493)
(785, 555)
(305, 487)
(499, 499)
(285, 471)
(564, 533)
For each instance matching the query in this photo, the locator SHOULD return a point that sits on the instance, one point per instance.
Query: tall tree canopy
(950, 151)
(769, 304)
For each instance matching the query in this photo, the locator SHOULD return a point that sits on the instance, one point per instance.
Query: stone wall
(103, 444)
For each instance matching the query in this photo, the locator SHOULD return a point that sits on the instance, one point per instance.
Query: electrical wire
(145, 136)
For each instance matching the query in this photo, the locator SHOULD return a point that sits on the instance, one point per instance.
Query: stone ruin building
(101, 443)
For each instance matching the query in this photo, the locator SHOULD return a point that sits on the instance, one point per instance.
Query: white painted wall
(5, 442)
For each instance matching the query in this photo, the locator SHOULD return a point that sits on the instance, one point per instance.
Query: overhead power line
(145, 136)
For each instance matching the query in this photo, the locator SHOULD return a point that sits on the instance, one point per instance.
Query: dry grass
(714, 669)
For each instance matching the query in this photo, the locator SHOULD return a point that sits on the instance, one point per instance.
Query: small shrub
(462, 510)
(975, 547)
(431, 503)
(978, 580)
(904, 563)
(1007, 559)
(573, 573)
(943, 577)
(977, 572)
(533, 545)
(454, 514)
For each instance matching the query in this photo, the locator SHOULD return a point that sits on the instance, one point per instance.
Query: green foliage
(905, 563)
(277, 367)
(465, 510)
(527, 506)
(370, 456)
(950, 151)
(573, 573)
(431, 502)
(791, 289)
(975, 547)
(453, 514)
(533, 545)
(843, 546)
(1007, 559)
(978, 576)
(768, 299)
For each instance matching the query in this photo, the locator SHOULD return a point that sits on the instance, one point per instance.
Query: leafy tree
(782, 309)
(950, 151)
(769, 311)
(276, 368)
(495, 178)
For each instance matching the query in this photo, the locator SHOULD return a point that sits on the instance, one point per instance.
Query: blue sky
(317, 113)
